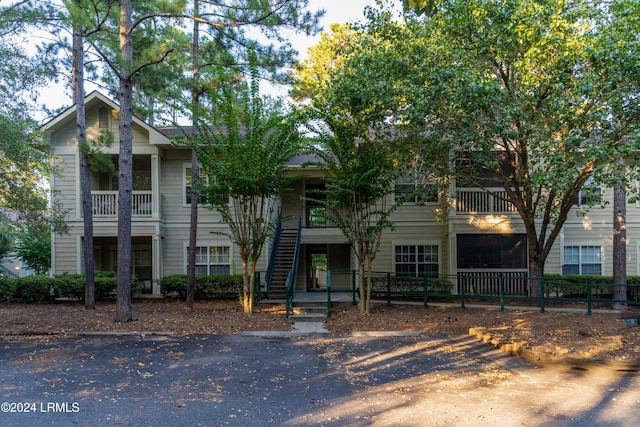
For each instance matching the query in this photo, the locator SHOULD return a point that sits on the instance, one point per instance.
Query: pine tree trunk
(85, 173)
(195, 172)
(619, 245)
(193, 233)
(125, 167)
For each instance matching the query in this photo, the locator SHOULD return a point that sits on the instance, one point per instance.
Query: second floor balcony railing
(479, 201)
(105, 204)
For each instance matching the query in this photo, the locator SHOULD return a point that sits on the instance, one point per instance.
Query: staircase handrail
(274, 250)
(296, 256)
(289, 285)
(8, 273)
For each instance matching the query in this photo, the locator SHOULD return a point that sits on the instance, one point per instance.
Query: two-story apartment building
(472, 232)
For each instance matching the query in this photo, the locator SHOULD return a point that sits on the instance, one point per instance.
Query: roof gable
(95, 98)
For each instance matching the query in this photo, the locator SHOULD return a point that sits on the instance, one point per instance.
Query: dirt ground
(606, 337)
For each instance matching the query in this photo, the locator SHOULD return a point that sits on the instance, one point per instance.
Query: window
(213, 260)
(490, 251)
(582, 260)
(416, 260)
(414, 189)
(590, 194)
(189, 185)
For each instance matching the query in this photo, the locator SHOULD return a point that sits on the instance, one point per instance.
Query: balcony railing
(105, 204)
(479, 201)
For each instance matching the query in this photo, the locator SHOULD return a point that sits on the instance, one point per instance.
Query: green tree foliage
(359, 178)
(518, 78)
(7, 239)
(23, 159)
(243, 145)
(361, 154)
(313, 75)
(615, 60)
(227, 28)
(34, 246)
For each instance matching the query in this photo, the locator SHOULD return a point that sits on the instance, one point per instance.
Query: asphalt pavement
(299, 380)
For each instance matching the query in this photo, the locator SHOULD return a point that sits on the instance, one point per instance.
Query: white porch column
(155, 186)
(156, 249)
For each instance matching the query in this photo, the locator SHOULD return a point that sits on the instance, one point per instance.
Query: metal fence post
(501, 293)
(462, 286)
(353, 287)
(589, 299)
(542, 293)
(328, 293)
(389, 289)
(424, 290)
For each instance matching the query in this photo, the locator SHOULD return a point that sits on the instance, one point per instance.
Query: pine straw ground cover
(558, 334)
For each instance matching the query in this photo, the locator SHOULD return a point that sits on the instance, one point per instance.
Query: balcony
(480, 201)
(105, 204)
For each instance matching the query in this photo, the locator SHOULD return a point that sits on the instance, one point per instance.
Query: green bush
(72, 285)
(206, 287)
(36, 288)
(69, 286)
(411, 284)
(440, 285)
(7, 289)
(574, 284)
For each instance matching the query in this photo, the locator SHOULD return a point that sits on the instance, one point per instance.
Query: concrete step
(316, 309)
(309, 317)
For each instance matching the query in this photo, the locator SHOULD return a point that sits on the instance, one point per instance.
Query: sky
(336, 11)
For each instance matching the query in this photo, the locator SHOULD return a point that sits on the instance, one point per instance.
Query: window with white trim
(582, 260)
(415, 189)
(590, 194)
(213, 260)
(416, 260)
(188, 185)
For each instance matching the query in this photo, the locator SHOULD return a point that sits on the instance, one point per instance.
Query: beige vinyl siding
(554, 262)
(171, 187)
(172, 248)
(66, 183)
(292, 205)
(404, 234)
(66, 254)
(176, 241)
(174, 208)
(411, 213)
(92, 123)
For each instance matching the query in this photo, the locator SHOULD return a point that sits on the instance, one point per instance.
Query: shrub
(36, 288)
(72, 285)
(411, 284)
(7, 289)
(439, 285)
(220, 286)
(574, 284)
(206, 287)
(69, 286)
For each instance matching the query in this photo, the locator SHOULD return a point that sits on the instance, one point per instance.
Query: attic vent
(103, 118)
